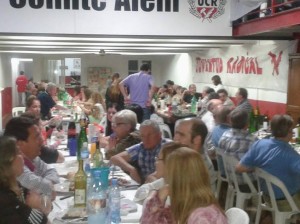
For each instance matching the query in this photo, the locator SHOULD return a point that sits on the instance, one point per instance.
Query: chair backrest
(17, 111)
(230, 163)
(237, 216)
(269, 180)
(158, 119)
(165, 130)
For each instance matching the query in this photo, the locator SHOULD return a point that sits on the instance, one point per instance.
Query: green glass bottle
(80, 181)
(194, 105)
(252, 122)
(81, 139)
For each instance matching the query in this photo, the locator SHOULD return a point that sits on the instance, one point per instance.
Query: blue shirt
(218, 132)
(46, 104)
(277, 158)
(145, 157)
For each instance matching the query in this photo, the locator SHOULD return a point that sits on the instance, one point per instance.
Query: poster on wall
(99, 78)
(248, 66)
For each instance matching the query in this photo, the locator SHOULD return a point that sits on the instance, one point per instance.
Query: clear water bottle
(114, 202)
(96, 200)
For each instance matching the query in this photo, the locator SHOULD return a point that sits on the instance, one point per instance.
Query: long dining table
(130, 211)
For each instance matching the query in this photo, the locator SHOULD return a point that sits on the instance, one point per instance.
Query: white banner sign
(117, 17)
(258, 66)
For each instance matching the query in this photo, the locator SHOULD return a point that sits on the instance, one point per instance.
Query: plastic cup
(104, 173)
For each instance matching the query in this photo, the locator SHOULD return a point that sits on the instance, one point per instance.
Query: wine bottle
(80, 186)
(97, 158)
(81, 139)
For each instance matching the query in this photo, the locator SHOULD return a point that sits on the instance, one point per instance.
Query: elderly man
(277, 157)
(192, 132)
(125, 133)
(241, 97)
(139, 159)
(36, 176)
(47, 102)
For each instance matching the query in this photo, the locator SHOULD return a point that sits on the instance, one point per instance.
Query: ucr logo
(207, 9)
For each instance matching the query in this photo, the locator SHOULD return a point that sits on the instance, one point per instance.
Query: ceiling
(124, 45)
(281, 26)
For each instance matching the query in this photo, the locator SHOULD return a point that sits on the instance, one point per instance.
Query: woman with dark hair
(112, 108)
(113, 94)
(17, 205)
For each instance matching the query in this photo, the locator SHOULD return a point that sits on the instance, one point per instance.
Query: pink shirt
(156, 212)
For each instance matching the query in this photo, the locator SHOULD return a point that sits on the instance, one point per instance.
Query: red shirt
(21, 82)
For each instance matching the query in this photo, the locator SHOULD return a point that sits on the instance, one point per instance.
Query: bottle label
(79, 196)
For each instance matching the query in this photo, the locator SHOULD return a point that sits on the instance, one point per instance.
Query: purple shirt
(139, 85)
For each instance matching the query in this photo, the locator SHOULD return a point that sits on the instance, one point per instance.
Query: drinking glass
(46, 204)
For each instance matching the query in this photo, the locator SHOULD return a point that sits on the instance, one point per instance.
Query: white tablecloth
(60, 207)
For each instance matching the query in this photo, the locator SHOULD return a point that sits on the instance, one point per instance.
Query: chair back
(237, 216)
(17, 111)
(158, 119)
(270, 181)
(235, 178)
(165, 130)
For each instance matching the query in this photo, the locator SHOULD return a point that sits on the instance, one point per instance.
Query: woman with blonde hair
(95, 99)
(189, 189)
(17, 204)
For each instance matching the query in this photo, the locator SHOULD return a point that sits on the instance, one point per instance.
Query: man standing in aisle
(141, 89)
(21, 82)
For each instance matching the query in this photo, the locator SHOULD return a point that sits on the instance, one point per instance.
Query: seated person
(223, 94)
(112, 109)
(37, 176)
(192, 199)
(192, 132)
(47, 102)
(178, 95)
(139, 160)
(277, 157)
(17, 204)
(97, 114)
(125, 133)
(156, 180)
(33, 105)
(190, 93)
(49, 154)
